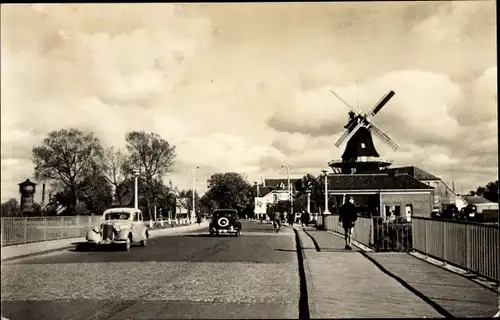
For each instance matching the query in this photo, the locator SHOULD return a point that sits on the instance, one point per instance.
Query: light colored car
(120, 226)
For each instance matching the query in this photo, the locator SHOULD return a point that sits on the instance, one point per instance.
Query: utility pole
(194, 202)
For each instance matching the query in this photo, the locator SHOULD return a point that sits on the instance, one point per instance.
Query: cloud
(422, 98)
(249, 92)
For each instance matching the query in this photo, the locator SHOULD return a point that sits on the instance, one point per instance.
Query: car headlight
(96, 229)
(118, 228)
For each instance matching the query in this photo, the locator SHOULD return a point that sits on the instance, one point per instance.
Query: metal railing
(468, 245)
(35, 229)
(362, 231)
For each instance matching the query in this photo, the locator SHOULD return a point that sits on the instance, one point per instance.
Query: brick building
(381, 194)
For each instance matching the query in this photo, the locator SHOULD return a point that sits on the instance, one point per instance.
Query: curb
(354, 242)
(38, 253)
(490, 285)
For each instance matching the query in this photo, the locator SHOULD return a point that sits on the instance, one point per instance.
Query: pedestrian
(302, 218)
(307, 218)
(348, 216)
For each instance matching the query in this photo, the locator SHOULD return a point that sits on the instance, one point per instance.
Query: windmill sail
(347, 135)
(383, 136)
(381, 103)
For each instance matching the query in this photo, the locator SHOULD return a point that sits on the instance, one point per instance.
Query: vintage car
(120, 227)
(225, 221)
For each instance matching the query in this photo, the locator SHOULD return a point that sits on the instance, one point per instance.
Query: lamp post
(308, 192)
(289, 187)
(194, 202)
(325, 173)
(136, 192)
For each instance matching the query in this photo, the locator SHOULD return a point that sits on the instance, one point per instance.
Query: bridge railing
(34, 229)
(469, 245)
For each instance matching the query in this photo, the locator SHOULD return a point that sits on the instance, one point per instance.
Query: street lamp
(325, 173)
(136, 192)
(194, 203)
(289, 187)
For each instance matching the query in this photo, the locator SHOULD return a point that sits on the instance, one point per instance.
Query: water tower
(27, 190)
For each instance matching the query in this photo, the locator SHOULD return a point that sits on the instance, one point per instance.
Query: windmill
(360, 155)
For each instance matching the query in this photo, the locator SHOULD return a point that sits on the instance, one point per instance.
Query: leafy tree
(490, 191)
(114, 170)
(96, 191)
(231, 190)
(10, 208)
(314, 185)
(189, 195)
(153, 157)
(67, 156)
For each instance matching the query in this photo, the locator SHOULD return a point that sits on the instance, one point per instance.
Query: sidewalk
(345, 284)
(29, 249)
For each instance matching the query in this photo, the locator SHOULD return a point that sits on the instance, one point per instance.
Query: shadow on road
(85, 247)
(285, 250)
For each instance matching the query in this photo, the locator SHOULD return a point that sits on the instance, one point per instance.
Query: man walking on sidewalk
(347, 217)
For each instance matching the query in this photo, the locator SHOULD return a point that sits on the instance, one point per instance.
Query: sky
(244, 87)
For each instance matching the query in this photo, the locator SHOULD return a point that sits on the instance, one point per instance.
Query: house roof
(374, 182)
(275, 183)
(414, 172)
(263, 190)
(475, 199)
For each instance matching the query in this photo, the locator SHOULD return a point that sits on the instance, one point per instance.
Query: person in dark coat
(348, 216)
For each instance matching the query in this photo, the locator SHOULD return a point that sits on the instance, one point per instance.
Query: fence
(468, 245)
(34, 229)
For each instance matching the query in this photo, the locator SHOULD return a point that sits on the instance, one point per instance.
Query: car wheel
(127, 244)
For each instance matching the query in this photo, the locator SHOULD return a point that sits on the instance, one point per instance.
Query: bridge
(300, 272)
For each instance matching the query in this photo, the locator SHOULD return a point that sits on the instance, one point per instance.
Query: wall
(422, 203)
(443, 195)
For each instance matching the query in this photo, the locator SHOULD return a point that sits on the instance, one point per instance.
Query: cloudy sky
(245, 87)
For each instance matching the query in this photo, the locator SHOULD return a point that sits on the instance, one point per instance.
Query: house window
(397, 211)
(362, 145)
(387, 211)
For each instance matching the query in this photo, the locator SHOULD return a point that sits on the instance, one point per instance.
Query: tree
(231, 190)
(10, 208)
(153, 157)
(96, 192)
(188, 194)
(67, 155)
(114, 170)
(489, 192)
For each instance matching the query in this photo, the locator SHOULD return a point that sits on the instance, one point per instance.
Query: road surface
(183, 276)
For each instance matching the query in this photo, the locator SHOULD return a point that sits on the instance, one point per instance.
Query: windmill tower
(360, 155)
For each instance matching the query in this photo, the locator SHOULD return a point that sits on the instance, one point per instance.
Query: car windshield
(117, 216)
(224, 213)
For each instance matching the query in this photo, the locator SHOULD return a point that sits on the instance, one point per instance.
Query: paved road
(179, 276)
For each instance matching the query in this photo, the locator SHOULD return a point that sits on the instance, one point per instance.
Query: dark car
(225, 221)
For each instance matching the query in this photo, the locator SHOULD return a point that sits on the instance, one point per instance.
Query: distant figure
(277, 221)
(290, 219)
(261, 217)
(302, 218)
(348, 217)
